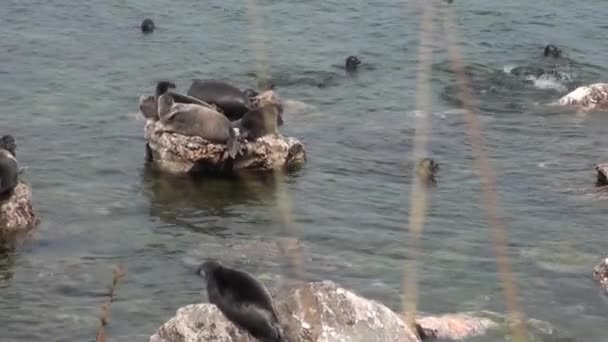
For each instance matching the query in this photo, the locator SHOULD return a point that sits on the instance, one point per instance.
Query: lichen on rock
(178, 153)
(16, 212)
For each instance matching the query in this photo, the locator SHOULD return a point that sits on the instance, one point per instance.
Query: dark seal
(264, 118)
(552, 51)
(147, 26)
(426, 170)
(229, 99)
(244, 300)
(9, 169)
(352, 63)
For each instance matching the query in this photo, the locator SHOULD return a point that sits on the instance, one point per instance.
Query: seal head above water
(244, 300)
(147, 26)
(352, 63)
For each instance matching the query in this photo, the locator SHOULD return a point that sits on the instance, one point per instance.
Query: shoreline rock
(17, 215)
(319, 312)
(177, 153)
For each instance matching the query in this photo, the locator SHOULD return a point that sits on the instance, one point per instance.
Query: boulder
(591, 97)
(16, 212)
(178, 153)
(319, 312)
(455, 326)
(600, 273)
(602, 173)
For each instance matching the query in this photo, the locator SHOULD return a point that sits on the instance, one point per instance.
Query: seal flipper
(232, 145)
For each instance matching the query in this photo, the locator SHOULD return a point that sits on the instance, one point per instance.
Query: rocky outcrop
(16, 212)
(319, 312)
(178, 153)
(455, 326)
(591, 97)
(602, 173)
(600, 273)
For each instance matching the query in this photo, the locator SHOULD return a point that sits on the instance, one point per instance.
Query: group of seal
(213, 110)
(243, 300)
(9, 168)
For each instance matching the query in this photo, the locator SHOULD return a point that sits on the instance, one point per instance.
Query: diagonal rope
(488, 181)
(418, 195)
(283, 200)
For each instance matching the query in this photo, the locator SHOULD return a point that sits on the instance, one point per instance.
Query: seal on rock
(147, 26)
(244, 300)
(195, 120)
(264, 118)
(148, 104)
(231, 100)
(9, 168)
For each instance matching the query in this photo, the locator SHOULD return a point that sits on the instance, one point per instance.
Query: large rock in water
(178, 153)
(312, 312)
(591, 97)
(16, 212)
(600, 273)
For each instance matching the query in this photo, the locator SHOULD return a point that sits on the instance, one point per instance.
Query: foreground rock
(319, 312)
(16, 212)
(600, 273)
(455, 326)
(591, 97)
(602, 173)
(178, 153)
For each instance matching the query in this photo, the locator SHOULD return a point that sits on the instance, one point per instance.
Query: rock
(591, 97)
(16, 212)
(319, 312)
(178, 153)
(456, 326)
(602, 173)
(600, 273)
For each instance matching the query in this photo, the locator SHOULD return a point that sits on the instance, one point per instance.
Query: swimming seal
(352, 63)
(147, 26)
(426, 170)
(244, 300)
(230, 99)
(9, 168)
(552, 51)
(195, 120)
(264, 118)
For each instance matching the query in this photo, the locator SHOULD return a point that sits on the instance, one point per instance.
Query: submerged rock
(16, 212)
(178, 153)
(591, 97)
(600, 273)
(319, 312)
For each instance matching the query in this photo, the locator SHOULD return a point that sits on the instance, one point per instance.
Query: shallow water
(72, 73)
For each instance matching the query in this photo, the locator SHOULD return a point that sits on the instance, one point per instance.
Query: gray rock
(178, 153)
(319, 312)
(16, 212)
(600, 273)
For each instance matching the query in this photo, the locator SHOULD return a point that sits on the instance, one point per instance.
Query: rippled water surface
(71, 74)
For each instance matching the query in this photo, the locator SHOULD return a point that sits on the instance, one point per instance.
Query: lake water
(71, 74)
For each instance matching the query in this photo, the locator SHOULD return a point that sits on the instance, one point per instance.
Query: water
(71, 74)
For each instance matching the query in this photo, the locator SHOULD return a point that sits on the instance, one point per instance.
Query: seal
(352, 63)
(552, 51)
(195, 120)
(244, 300)
(147, 26)
(426, 170)
(229, 99)
(264, 118)
(9, 168)
(148, 104)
